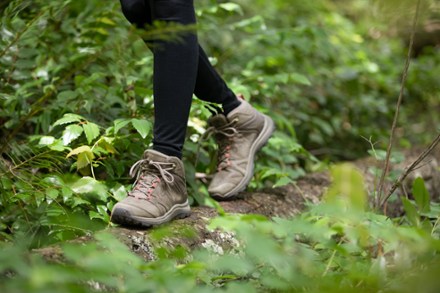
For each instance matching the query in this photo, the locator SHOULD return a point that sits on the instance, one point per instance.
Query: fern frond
(29, 160)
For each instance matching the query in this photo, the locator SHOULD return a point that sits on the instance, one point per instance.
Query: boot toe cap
(221, 190)
(135, 211)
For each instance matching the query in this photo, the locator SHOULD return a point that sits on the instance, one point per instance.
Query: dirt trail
(278, 202)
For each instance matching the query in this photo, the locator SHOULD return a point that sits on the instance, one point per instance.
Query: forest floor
(281, 202)
(284, 202)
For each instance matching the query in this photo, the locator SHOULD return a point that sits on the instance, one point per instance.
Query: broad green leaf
(102, 210)
(68, 118)
(299, 78)
(411, 212)
(78, 150)
(55, 211)
(106, 20)
(78, 201)
(25, 64)
(52, 193)
(88, 185)
(46, 140)
(71, 133)
(232, 7)
(142, 126)
(120, 123)
(119, 193)
(84, 159)
(91, 130)
(269, 172)
(282, 181)
(66, 192)
(421, 195)
(348, 184)
(106, 144)
(6, 183)
(67, 95)
(95, 215)
(58, 146)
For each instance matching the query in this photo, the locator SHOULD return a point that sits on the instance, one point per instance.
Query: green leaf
(120, 123)
(71, 133)
(270, 172)
(411, 212)
(88, 185)
(299, 78)
(25, 64)
(67, 95)
(68, 118)
(106, 20)
(231, 7)
(66, 192)
(119, 193)
(102, 210)
(421, 195)
(78, 150)
(91, 130)
(79, 201)
(84, 159)
(282, 181)
(142, 126)
(51, 193)
(106, 144)
(58, 146)
(95, 215)
(6, 183)
(46, 140)
(348, 184)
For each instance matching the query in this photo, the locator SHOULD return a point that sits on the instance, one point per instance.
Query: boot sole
(262, 139)
(123, 216)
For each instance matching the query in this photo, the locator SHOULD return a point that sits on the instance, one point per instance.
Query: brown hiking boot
(159, 193)
(239, 136)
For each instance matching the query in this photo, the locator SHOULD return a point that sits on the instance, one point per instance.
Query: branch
(411, 168)
(399, 102)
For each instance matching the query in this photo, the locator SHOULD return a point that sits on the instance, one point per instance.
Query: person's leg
(175, 69)
(175, 73)
(137, 12)
(159, 193)
(211, 87)
(181, 68)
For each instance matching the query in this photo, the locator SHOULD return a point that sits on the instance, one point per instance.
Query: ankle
(168, 151)
(230, 104)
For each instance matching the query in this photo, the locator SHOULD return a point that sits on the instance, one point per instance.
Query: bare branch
(411, 168)
(399, 102)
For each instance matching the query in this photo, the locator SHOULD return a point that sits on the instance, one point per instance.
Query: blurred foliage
(336, 246)
(76, 111)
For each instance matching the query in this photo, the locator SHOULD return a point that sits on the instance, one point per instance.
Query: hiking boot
(239, 135)
(159, 193)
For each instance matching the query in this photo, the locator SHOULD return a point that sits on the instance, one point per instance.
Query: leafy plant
(77, 112)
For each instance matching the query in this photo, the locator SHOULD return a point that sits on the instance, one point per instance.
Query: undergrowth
(76, 105)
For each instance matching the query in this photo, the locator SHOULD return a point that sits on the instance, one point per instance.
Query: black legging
(181, 68)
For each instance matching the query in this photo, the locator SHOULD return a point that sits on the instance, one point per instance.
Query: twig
(399, 102)
(411, 168)
(21, 33)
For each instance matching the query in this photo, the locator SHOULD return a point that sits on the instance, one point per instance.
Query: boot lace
(225, 136)
(148, 175)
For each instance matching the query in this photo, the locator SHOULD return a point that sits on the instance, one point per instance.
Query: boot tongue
(155, 156)
(217, 120)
